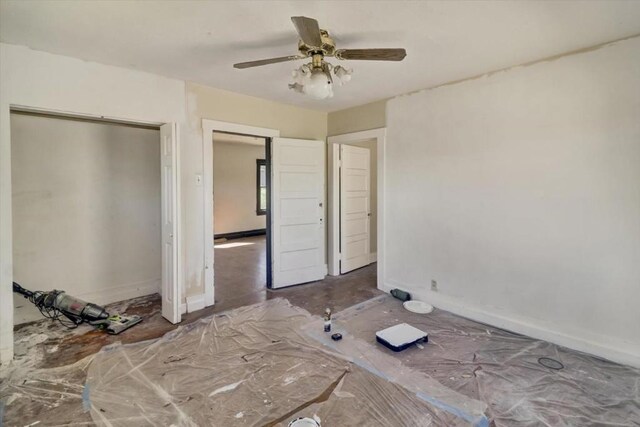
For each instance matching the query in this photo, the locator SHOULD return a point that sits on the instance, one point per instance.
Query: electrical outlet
(434, 286)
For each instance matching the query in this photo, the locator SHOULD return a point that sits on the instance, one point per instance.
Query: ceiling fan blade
(308, 30)
(260, 62)
(371, 54)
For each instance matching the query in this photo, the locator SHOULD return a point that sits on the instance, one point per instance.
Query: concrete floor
(240, 279)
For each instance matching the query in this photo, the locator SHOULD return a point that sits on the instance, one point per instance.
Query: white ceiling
(199, 41)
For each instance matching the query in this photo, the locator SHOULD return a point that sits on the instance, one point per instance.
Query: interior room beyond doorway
(240, 205)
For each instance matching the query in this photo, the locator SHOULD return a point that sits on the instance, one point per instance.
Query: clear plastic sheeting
(366, 354)
(44, 397)
(502, 368)
(253, 366)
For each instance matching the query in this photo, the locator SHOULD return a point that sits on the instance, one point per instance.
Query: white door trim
(208, 127)
(6, 254)
(334, 196)
(171, 277)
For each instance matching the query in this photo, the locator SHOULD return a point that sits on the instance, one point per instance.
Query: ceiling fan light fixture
(319, 84)
(316, 78)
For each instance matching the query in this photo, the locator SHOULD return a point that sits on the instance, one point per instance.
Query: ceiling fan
(316, 77)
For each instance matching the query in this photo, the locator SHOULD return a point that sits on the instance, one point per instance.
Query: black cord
(37, 298)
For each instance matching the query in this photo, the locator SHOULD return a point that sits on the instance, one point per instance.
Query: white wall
(86, 209)
(234, 186)
(57, 83)
(519, 192)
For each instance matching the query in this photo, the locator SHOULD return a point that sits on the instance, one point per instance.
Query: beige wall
(234, 186)
(217, 104)
(363, 117)
(372, 146)
(519, 192)
(203, 102)
(86, 209)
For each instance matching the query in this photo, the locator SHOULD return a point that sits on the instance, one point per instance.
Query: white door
(169, 217)
(297, 211)
(355, 200)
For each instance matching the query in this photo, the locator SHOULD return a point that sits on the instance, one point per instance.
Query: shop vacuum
(71, 311)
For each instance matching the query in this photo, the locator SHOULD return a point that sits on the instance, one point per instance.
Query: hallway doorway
(241, 211)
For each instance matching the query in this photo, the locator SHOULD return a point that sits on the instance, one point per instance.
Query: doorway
(356, 202)
(241, 214)
(295, 229)
(93, 209)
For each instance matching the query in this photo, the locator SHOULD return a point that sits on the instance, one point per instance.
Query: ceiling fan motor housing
(327, 49)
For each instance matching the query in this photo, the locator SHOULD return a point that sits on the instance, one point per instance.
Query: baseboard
(120, 292)
(241, 234)
(209, 299)
(195, 303)
(6, 355)
(624, 353)
(373, 257)
(183, 308)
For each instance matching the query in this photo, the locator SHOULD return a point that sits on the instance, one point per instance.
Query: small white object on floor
(226, 388)
(400, 336)
(418, 307)
(304, 422)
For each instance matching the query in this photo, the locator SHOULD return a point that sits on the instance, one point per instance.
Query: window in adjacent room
(261, 187)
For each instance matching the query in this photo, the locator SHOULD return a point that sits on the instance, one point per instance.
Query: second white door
(355, 207)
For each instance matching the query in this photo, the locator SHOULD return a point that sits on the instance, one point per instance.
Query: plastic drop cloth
(501, 368)
(253, 366)
(44, 397)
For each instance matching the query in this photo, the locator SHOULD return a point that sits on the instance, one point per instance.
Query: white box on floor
(399, 337)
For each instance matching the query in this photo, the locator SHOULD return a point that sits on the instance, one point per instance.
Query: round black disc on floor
(550, 363)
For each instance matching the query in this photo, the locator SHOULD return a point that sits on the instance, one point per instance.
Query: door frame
(333, 152)
(208, 127)
(7, 234)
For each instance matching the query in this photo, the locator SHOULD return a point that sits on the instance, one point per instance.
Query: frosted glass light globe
(343, 74)
(300, 76)
(319, 85)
